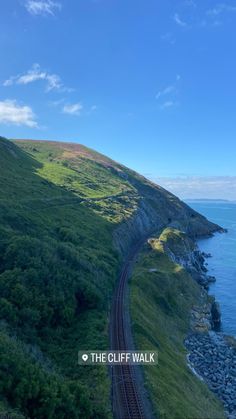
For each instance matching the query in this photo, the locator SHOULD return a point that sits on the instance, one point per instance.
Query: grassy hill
(67, 217)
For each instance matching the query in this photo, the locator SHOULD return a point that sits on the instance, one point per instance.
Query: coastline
(213, 360)
(162, 295)
(211, 353)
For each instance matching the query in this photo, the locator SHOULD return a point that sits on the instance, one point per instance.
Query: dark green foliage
(36, 392)
(57, 269)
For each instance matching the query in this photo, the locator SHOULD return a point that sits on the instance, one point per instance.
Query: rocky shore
(213, 359)
(211, 354)
(181, 249)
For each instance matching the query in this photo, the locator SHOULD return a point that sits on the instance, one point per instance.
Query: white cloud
(217, 14)
(73, 109)
(169, 94)
(179, 21)
(8, 82)
(221, 8)
(56, 103)
(42, 7)
(197, 187)
(168, 104)
(166, 91)
(31, 76)
(53, 81)
(14, 114)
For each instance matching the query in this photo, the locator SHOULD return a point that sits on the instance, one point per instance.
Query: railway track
(126, 397)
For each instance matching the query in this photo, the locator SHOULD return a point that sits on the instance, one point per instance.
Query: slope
(67, 217)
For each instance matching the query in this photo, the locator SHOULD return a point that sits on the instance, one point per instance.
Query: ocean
(222, 264)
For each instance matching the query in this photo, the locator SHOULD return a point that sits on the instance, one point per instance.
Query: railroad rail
(126, 398)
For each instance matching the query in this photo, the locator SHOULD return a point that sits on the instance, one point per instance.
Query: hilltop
(68, 216)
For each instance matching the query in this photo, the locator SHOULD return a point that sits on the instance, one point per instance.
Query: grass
(82, 175)
(160, 307)
(39, 217)
(59, 207)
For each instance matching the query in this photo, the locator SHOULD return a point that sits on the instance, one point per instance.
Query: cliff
(183, 251)
(157, 209)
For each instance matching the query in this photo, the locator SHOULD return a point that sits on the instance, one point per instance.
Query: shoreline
(213, 360)
(212, 353)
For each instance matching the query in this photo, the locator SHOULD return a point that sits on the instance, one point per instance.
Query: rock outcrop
(157, 209)
(182, 250)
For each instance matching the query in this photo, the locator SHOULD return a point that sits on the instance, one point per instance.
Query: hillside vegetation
(162, 295)
(67, 216)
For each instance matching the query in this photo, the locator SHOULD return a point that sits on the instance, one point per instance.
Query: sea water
(222, 264)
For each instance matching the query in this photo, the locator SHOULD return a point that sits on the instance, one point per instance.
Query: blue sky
(150, 83)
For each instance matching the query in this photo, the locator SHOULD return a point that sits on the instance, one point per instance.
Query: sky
(151, 84)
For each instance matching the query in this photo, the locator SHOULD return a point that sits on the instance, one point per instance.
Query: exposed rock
(216, 314)
(185, 252)
(206, 255)
(156, 210)
(212, 358)
(201, 319)
(211, 278)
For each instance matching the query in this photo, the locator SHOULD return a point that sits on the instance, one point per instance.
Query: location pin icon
(85, 357)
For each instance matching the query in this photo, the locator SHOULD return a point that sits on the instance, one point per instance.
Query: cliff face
(183, 251)
(157, 209)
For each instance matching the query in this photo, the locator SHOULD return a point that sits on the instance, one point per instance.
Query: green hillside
(67, 217)
(162, 294)
(58, 268)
